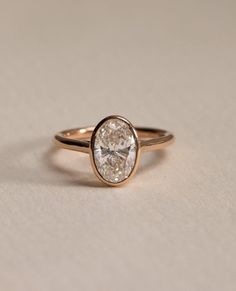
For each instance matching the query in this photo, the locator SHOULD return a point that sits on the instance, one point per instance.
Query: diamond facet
(114, 149)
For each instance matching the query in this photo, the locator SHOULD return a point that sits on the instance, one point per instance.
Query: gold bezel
(91, 150)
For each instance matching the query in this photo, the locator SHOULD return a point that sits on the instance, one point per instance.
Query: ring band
(114, 146)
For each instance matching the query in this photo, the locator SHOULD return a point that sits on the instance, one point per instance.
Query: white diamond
(114, 150)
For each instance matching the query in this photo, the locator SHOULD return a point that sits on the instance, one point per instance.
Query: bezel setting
(92, 150)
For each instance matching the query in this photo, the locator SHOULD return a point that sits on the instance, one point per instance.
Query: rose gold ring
(114, 146)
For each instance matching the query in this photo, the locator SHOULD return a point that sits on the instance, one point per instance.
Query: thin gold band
(78, 139)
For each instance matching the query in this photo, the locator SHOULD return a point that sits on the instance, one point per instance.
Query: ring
(114, 146)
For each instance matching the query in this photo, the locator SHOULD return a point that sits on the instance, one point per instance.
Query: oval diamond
(115, 148)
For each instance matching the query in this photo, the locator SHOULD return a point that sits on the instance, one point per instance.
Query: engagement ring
(114, 146)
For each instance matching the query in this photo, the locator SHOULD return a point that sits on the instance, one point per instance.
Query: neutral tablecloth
(169, 64)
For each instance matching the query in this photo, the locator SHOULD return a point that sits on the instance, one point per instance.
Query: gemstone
(114, 149)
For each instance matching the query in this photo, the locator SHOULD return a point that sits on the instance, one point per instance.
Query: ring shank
(78, 139)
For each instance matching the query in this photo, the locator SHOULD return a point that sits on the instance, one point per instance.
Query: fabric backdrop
(169, 64)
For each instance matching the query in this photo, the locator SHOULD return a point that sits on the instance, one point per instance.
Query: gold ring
(114, 146)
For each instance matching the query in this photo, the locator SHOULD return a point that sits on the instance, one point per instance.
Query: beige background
(169, 64)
